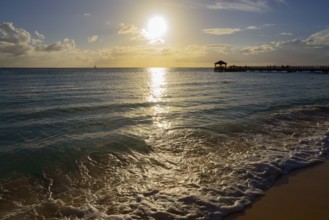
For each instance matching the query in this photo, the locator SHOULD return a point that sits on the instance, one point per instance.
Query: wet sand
(303, 194)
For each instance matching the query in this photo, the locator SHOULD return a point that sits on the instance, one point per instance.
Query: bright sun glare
(156, 28)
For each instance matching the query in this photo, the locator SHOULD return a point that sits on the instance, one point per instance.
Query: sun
(156, 28)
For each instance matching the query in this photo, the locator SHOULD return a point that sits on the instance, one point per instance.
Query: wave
(180, 173)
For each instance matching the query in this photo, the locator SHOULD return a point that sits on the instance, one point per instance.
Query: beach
(302, 194)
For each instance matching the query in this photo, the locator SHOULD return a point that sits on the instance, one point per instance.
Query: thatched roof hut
(220, 66)
(220, 63)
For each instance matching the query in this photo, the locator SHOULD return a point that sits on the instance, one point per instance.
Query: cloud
(138, 34)
(128, 29)
(320, 38)
(221, 31)
(40, 36)
(241, 5)
(285, 34)
(260, 27)
(245, 5)
(283, 2)
(259, 49)
(253, 28)
(11, 34)
(17, 41)
(33, 51)
(39, 39)
(315, 42)
(87, 14)
(14, 41)
(135, 33)
(65, 45)
(14, 49)
(228, 31)
(220, 48)
(92, 38)
(150, 55)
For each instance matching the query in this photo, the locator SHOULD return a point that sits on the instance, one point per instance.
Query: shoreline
(301, 194)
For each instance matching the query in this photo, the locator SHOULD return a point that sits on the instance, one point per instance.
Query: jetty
(221, 66)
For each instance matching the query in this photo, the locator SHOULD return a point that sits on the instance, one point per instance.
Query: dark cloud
(15, 49)
(14, 41)
(11, 34)
(17, 41)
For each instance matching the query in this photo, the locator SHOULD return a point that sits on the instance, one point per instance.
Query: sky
(163, 33)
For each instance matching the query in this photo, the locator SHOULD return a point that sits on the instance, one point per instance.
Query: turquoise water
(152, 143)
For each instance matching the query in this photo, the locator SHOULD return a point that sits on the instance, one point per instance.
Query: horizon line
(11, 67)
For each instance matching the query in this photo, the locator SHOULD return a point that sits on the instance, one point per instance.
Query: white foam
(188, 175)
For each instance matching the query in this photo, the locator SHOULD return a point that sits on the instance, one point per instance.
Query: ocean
(156, 143)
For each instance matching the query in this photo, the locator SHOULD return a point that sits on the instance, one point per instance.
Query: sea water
(152, 143)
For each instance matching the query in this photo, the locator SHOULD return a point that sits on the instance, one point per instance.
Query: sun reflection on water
(156, 95)
(157, 84)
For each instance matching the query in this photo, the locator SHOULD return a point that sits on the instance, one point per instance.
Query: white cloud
(228, 31)
(65, 45)
(128, 29)
(137, 34)
(220, 48)
(39, 39)
(320, 38)
(315, 42)
(221, 31)
(253, 28)
(245, 5)
(285, 34)
(241, 5)
(40, 36)
(92, 38)
(269, 25)
(258, 49)
(281, 1)
(87, 14)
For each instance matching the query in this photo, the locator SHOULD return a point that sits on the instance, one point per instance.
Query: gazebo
(220, 66)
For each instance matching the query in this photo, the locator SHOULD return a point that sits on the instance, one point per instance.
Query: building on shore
(220, 66)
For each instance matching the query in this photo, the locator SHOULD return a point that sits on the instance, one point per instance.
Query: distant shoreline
(106, 68)
(273, 68)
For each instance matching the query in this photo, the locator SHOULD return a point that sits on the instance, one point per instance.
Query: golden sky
(154, 33)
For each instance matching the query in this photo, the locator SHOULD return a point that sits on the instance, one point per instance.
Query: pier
(221, 66)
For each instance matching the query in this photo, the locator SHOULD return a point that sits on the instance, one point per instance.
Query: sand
(303, 194)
